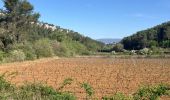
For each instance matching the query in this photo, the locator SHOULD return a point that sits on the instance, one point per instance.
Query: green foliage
(59, 36)
(17, 17)
(88, 89)
(4, 85)
(153, 43)
(166, 43)
(27, 48)
(118, 47)
(157, 50)
(69, 48)
(92, 45)
(2, 56)
(158, 36)
(31, 91)
(6, 88)
(145, 51)
(152, 93)
(29, 52)
(43, 48)
(144, 93)
(66, 82)
(16, 55)
(39, 91)
(61, 50)
(76, 48)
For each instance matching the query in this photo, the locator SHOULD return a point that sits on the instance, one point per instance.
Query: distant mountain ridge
(109, 40)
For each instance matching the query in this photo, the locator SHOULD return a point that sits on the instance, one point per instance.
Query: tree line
(158, 36)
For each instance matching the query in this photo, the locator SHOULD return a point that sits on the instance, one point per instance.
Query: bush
(59, 36)
(6, 88)
(145, 51)
(118, 47)
(144, 93)
(68, 48)
(65, 83)
(4, 85)
(60, 49)
(43, 48)
(88, 89)
(166, 44)
(27, 48)
(2, 55)
(42, 92)
(152, 92)
(75, 48)
(157, 51)
(153, 43)
(16, 55)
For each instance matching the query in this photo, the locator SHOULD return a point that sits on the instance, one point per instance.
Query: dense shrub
(118, 47)
(88, 89)
(27, 48)
(43, 48)
(152, 92)
(4, 85)
(144, 93)
(2, 56)
(59, 36)
(166, 44)
(76, 48)
(60, 49)
(145, 51)
(42, 92)
(66, 82)
(16, 55)
(6, 88)
(157, 51)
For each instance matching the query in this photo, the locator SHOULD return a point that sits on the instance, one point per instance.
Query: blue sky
(103, 18)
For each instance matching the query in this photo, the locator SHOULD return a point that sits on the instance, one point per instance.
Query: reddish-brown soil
(105, 75)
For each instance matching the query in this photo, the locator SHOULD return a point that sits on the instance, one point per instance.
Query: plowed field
(105, 75)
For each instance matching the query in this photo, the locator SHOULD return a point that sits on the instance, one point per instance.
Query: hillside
(24, 37)
(158, 36)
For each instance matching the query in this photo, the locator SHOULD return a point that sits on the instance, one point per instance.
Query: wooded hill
(158, 36)
(23, 36)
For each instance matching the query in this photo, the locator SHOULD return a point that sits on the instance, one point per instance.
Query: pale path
(106, 75)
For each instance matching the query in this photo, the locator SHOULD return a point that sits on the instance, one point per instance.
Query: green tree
(17, 17)
(118, 47)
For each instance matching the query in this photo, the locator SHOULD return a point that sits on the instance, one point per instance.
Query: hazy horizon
(104, 18)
